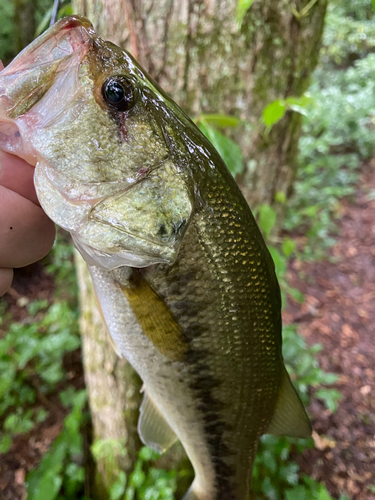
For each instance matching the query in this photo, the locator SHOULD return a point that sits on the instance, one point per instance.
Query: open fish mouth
(65, 37)
(28, 78)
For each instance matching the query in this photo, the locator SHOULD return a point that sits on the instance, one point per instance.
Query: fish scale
(214, 326)
(183, 276)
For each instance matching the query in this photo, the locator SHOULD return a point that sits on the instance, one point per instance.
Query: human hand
(26, 233)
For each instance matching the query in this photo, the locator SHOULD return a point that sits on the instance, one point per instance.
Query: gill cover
(137, 227)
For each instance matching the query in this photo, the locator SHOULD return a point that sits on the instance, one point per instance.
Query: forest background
(48, 447)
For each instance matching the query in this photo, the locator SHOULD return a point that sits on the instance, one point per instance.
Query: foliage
(9, 27)
(276, 110)
(242, 7)
(148, 483)
(65, 10)
(349, 32)
(145, 482)
(339, 134)
(228, 150)
(31, 362)
(7, 30)
(60, 474)
(59, 263)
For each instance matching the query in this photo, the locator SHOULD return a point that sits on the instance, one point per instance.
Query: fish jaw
(50, 62)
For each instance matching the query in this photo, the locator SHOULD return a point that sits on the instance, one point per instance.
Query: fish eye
(119, 93)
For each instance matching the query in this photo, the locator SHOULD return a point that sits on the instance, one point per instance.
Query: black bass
(184, 278)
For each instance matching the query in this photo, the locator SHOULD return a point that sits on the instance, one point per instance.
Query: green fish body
(185, 281)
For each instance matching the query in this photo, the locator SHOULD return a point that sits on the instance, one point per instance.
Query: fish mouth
(27, 79)
(65, 37)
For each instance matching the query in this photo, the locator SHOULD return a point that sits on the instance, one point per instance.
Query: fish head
(95, 126)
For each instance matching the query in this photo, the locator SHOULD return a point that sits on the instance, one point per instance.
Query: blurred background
(285, 90)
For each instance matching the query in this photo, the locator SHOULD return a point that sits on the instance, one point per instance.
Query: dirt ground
(339, 313)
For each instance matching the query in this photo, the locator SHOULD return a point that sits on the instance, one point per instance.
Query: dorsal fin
(153, 430)
(290, 418)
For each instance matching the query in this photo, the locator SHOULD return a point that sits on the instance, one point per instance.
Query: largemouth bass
(184, 278)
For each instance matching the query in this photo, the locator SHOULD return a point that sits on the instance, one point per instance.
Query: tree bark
(24, 20)
(198, 53)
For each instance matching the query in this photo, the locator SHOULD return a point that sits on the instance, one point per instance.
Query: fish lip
(79, 29)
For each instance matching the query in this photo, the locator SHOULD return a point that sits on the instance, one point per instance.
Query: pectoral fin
(290, 418)
(153, 429)
(155, 318)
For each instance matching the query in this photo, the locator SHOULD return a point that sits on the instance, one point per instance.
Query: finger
(26, 233)
(6, 278)
(16, 174)
(1, 65)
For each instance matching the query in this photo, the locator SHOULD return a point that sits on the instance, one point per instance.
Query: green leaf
(137, 478)
(44, 22)
(273, 113)
(297, 295)
(242, 7)
(48, 487)
(45, 481)
(331, 397)
(280, 197)
(221, 121)
(227, 149)
(66, 10)
(267, 219)
(5, 443)
(41, 416)
(118, 488)
(373, 5)
(130, 493)
(330, 378)
(279, 260)
(297, 493)
(36, 306)
(289, 247)
(146, 454)
(299, 104)
(323, 494)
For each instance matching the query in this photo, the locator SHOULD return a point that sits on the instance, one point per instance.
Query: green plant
(31, 362)
(349, 32)
(228, 149)
(64, 10)
(276, 110)
(60, 474)
(145, 482)
(242, 7)
(148, 483)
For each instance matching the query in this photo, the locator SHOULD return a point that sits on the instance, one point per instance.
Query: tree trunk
(198, 53)
(24, 20)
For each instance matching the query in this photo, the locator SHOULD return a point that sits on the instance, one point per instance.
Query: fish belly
(164, 380)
